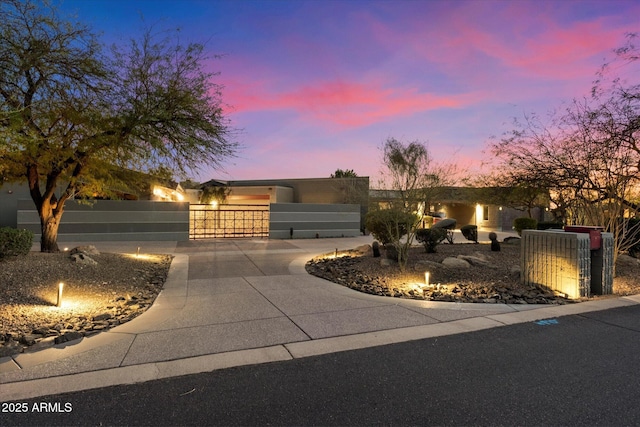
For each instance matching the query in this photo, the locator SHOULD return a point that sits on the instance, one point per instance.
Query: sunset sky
(313, 86)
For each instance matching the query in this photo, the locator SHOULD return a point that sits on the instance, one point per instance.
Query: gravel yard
(95, 297)
(492, 277)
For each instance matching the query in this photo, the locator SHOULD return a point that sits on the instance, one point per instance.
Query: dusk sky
(313, 86)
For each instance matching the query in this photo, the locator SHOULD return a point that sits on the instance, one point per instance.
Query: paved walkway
(235, 302)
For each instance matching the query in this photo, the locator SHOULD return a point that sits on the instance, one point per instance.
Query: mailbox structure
(577, 262)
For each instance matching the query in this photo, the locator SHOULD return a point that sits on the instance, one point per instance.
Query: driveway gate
(206, 221)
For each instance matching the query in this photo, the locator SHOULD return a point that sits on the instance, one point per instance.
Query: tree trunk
(49, 227)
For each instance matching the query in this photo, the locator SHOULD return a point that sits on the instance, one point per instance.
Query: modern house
(468, 206)
(287, 208)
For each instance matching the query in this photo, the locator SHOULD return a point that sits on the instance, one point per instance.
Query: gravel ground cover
(491, 277)
(118, 288)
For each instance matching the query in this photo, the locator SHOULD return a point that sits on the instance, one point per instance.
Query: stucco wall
(313, 220)
(113, 220)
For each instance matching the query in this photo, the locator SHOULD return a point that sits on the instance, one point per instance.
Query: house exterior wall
(10, 193)
(259, 195)
(316, 190)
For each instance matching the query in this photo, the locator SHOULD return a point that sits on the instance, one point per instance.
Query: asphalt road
(574, 370)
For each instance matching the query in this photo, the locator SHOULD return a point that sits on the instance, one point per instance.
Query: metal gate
(206, 221)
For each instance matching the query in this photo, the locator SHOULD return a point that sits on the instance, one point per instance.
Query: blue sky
(313, 86)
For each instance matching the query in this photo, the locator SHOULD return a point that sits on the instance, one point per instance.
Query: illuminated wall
(558, 260)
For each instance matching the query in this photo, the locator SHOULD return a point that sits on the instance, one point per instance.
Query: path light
(336, 252)
(426, 278)
(60, 288)
(138, 252)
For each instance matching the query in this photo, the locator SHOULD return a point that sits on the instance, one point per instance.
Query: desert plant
(385, 225)
(524, 223)
(15, 242)
(431, 238)
(470, 232)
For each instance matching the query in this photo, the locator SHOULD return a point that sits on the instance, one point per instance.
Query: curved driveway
(235, 302)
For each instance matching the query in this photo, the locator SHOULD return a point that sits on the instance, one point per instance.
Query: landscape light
(138, 252)
(60, 288)
(426, 278)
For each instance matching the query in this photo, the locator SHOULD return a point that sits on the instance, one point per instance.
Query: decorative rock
(495, 245)
(69, 336)
(515, 270)
(376, 249)
(101, 317)
(625, 259)
(386, 262)
(425, 265)
(29, 339)
(86, 249)
(363, 249)
(475, 261)
(452, 262)
(511, 240)
(81, 258)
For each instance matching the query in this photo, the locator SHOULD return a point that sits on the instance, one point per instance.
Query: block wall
(558, 260)
(113, 220)
(310, 220)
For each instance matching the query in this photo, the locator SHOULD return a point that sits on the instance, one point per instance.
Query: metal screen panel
(228, 221)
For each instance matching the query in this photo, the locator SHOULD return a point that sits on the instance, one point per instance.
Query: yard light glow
(426, 278)
(214, 204)
(60, 288)
(138, 252)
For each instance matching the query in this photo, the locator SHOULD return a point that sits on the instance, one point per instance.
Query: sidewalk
(236, 302)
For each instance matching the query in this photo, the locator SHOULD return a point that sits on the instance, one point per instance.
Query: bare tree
(587, 155)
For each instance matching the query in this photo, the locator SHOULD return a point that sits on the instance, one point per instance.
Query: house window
(486, 213)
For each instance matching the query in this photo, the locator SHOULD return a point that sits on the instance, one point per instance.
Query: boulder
(515, 270)
(624, 259)
(86, 249)
(82, 258)
(511, 240)
(475, 261)
(363, 249)
(452, 262)
(426, 265)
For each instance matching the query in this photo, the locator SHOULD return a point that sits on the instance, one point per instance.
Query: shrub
(430, 238)
(524, 223)
(388, 225)
(550, 225)
(15, 242)
(470, 232)
(631, 239)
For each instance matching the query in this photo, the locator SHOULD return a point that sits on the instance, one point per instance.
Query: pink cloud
(347, 104)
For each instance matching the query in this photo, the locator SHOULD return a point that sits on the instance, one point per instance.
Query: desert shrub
(15, 242)
(388, 225)
(549, 225)
(631, 240)
(524, 223)
(470, 232)
(431, 237)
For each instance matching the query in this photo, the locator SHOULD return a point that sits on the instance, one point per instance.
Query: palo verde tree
(588, 155)
(414, 179)
(72, 111)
